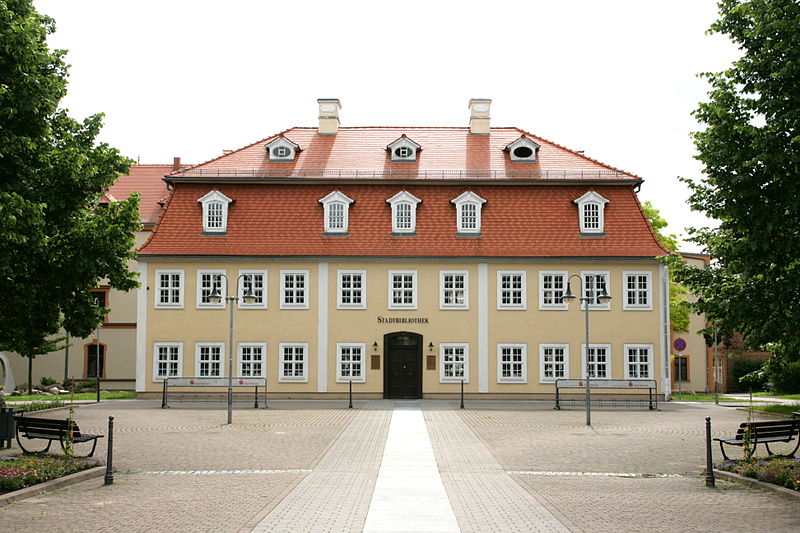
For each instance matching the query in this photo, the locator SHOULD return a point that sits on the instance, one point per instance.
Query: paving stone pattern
(311, 466)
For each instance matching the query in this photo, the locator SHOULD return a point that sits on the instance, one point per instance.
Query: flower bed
(26, 470)
(781, 471)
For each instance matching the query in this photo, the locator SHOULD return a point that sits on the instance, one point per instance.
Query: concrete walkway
(320, 467)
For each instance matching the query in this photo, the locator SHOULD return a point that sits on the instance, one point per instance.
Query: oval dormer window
(403, 151)
(523, 152)
(281, 151)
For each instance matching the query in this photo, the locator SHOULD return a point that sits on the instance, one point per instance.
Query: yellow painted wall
(533, 326)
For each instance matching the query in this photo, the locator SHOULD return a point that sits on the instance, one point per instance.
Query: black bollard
(351, 395)
(709, 462)
(109, 477)
(462, 393)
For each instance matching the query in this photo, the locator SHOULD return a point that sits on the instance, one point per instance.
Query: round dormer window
(523, 152)
(281, 151)
(403, 151)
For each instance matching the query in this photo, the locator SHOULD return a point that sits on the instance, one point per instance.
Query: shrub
(741, 367)
(26, 470)
(39, 406)
(787, 380)
(47, 382)
(782, 471)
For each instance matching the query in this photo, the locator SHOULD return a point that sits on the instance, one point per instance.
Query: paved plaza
(404, 466)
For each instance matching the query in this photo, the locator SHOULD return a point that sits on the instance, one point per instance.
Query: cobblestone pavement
(311, 466)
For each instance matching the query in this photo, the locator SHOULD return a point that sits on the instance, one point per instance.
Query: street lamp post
(216, 297)
(588, 297)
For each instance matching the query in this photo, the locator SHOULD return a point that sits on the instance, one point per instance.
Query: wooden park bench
(765, 433)
(64, 431)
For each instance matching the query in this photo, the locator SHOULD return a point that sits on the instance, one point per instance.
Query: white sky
(615, 78)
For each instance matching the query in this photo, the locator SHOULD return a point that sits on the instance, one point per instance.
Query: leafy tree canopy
(56, 241)
(750, 150)
(678, 307)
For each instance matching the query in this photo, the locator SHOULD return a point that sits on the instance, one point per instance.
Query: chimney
(176, 163)
(329, 115)
(479, 115)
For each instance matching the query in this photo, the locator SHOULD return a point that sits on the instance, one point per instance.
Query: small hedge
(26, 470)
(781, 471)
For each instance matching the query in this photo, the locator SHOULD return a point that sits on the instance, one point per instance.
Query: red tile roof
(517, 221)
(529, 210)
(148, 181)
(447, 153)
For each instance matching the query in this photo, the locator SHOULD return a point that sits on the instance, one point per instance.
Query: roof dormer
(282, 149)
(404, 149)
(215, 212)
(523, 149)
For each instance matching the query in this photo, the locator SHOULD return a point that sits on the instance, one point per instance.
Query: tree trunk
(30, 374)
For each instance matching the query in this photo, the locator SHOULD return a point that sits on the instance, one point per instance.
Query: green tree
(56, 241)
(750, 150)
(678, 306)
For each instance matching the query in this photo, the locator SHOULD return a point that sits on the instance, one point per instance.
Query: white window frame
(215, 197)
(340, 199)
(221, 361)
(414, 289)
(593, 198)
(544, 363)
(293, 379)
(626, 291)
(584, 292)
(443, 304)
(306, 289)
(223, 289)
(468, 198)
(524, 369)
(404, 198)
(157, 360)
(607, 348)
(340, 304)
(524, 290)
(404, 143)
(628, 363)
(543, 290)
(264, 283)
(340, 362)
(240, 362)
(159, 289)
(443, 363)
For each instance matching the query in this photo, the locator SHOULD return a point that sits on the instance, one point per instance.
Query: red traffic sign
(679, 344)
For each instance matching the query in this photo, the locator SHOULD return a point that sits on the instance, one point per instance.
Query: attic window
(468, 213)
(404, 149)
(523, 150)
(404, 212)
(336, 206)
(282, 149)
(591, 213)
(215, 212)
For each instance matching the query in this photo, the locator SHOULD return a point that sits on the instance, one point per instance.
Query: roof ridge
(581, 155)
(225, 154)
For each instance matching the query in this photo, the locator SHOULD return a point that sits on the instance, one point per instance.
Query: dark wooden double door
(403, 365)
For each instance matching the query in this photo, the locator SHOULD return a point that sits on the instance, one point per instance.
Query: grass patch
(104, 395)
(781, 471)
(700, 397)
(26, 470)
(781, 409)
(783, 396)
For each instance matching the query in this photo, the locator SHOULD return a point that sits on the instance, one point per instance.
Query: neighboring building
(117, 334)
(692, 360)
(404, 260)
